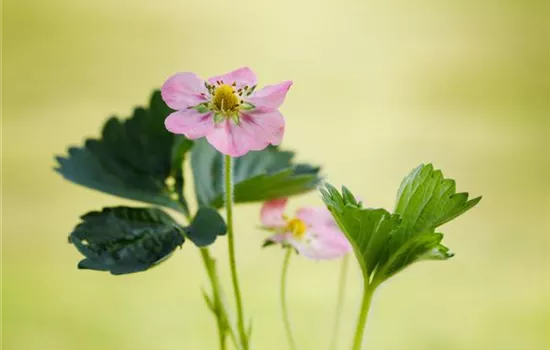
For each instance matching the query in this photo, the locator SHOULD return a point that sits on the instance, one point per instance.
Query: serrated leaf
(124, 240)
(419, 247)
(426, 200)
(206, 227)
(257, 176)
(368, 230)
(135, 158)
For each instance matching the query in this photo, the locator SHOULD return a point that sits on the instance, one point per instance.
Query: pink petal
(334, 238)
(231, 139)
(272, 213)
(190, 123)
(322, 245)
(265, 126)
(241, 77)
(316, 217)
(271, 96)
(183, 90)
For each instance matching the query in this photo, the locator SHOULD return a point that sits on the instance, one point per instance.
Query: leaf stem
(284, 307)
(231, 244)
(339, 302)
(368, 291)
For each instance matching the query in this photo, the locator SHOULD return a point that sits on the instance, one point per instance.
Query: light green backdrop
(379, 87)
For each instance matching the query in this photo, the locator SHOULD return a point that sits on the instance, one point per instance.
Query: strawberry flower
(228, 110)
(312, 232)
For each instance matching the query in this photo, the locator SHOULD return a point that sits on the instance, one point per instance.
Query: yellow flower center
(225, 99)
(297, 227)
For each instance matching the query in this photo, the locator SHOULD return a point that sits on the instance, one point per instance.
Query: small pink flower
(312, 232)
(227, 110)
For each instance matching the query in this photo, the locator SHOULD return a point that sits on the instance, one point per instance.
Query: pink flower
(227, 110)
(312, 232)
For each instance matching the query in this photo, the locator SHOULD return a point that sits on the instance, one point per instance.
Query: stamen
(297, 227)
(225, 101)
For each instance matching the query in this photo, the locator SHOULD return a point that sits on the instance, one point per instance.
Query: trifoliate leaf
(136, 158)
(206, 227)
(125, 240)
(257, 176)
(387, 243)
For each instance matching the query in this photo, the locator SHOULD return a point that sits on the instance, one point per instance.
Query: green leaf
(125, 240)
(425, 246)
(257, 176)
(136, 158)
(387, 243)
(426, 200)
(368, 230)
(206, 227)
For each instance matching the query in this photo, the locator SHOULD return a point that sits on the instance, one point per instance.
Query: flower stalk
(220, 308)
(339, 302)
(231, 245)
(284, 306)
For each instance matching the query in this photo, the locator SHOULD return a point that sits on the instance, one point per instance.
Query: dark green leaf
(257, 176)
(135, 158)
(124, 240)
(206, 227)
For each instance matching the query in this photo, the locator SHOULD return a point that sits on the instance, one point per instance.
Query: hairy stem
(284, 306)
(231, 243)
(220, 308)
(339, 302)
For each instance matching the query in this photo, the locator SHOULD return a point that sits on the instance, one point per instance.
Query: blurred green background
(379, 87)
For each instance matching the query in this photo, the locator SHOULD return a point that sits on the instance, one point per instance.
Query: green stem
(231, 243)
(368, 291)
(223, 321)
(284, 307)
(339, 302)
(220, 310)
